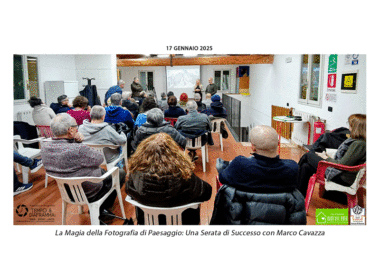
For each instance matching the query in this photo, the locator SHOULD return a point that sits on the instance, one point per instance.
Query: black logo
(22, 210)
(357, 210)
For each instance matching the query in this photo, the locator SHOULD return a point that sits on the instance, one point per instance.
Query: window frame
(307, 101)
(146, 75)
(229, 90)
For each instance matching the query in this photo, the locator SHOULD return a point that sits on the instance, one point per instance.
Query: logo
(331, 217)
(357, 216)
(22, 210)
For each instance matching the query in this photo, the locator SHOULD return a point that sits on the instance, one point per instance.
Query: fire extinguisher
(319, 129)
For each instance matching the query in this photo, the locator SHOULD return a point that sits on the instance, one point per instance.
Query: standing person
(62, 106)
(198, 88)
(161, 175)
(211, 87)
(80, 111)
(136, 88)
(114, 89)
(41, 114)
(351, 152)
(261, 189)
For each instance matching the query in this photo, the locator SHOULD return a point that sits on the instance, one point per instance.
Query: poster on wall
(330, 97)
(351, 59)
(333, 63)
(331, 82)
(244, 80)
(349, 82)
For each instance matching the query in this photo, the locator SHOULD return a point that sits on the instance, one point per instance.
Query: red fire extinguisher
(319, 129)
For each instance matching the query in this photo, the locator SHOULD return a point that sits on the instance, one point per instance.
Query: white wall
(279, 84)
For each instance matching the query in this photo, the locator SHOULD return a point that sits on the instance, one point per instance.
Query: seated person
(330, 140)
(351, 152)
(41, 114)
(33, 164)
(80, 111)
(99, 132)
(116, 114)
(259, 190)
(128, 104)
(62, 106)
(173, 111)
(149, 103)
(201, 106)
(66, 156)
(163, 103)
(216, 108)
(155, 123)
(208, 101)
(161, 175)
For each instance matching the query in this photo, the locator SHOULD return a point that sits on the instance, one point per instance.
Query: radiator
(25, 116)
(300, 133)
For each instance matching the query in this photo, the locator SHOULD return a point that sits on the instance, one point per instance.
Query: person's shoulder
(291, 164)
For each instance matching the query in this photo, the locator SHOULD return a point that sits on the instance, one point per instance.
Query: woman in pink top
(79, 113)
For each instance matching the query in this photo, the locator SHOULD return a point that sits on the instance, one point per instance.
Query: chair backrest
(173, 214)
(171, 120)
(44, 131)
(195, 143)
(359, 182)
(100, 148)
(215, 125)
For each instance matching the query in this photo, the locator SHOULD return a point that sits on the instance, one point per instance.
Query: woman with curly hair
(80, 112)
(161, 175)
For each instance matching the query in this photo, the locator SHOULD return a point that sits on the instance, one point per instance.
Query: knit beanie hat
(215, 98)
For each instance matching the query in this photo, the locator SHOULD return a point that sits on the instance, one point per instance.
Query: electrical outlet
(330, 109)
(287, 104)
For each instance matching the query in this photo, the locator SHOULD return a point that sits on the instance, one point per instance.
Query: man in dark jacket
(115, 113)
(136, 88)
(259, 190)
(211, 87)
(155, 124)
(131, 106)
(216, 108)
(62, 106)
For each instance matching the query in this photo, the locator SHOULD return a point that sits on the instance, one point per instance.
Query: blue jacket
(116, 114)
(111, 91)
(216, 109)
(58, 108)
(174, 112)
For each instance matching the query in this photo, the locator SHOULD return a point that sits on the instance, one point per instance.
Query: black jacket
(136, 89)
(237, 207)
(147, 129)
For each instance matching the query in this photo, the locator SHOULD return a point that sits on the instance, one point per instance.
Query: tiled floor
(44, 205)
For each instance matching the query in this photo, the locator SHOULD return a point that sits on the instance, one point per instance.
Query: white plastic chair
(31, 153)
(196, 144)
(215, 126)
(173, 214)
(80, 199)
(123, 155)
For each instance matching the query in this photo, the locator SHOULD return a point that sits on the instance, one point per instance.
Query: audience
(99, 132)
(116, 114)
(351, 152)
(161, 175)
(80, 111)
(33, 164)
(149, 103)
(154, 124)
(173, 111)
(114, 89)
(130, 105)
(62, 106)
(208, 101)
(216, 108)
(41, 114)
(201, 106)
(66, 156)
(259, 190)
(163, 103)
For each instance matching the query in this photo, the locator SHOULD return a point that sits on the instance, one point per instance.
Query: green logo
(331, 217)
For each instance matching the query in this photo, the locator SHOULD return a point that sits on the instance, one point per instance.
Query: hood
(113, 110)
(92, 128)
(217, 106)
(161, 188)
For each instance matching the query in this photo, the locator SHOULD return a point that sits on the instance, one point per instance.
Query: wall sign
(349, 82)
(331, 82)
(333, 63)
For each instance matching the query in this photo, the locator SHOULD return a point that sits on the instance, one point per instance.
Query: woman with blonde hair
(161, 175)
(351, 152)
(198, 88)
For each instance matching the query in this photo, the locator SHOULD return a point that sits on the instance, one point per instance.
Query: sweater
(174, 112)
(104, 134)
(65, 158)
(42, 115)
(79, 115)
(211, 88)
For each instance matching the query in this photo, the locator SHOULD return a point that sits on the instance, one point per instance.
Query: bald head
(264, 140)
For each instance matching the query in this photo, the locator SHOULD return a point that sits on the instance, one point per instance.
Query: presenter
(211, 88)
(136, 88)
(198, 88)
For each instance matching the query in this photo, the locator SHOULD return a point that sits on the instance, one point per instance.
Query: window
(311, 79)
(146, 80)
(222, 80)
(25, 77)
